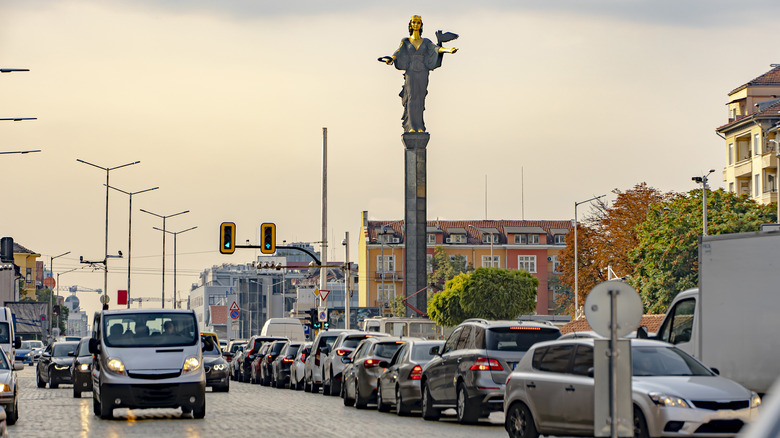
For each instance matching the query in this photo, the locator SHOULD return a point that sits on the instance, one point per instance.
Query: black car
(251, 349)
(280, 375)
(54, 365)
(469, 373)
(265, 370)
(216, 368)
(81, 370)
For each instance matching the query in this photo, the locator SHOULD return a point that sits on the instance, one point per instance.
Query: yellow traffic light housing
(227, 238)
(268, 238)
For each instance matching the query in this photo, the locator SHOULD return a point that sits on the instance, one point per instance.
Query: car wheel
(519, 422)
(428, 411)
(315, 388)
(360, 402)
(306, 386)
(326, 385)
(640, 424)
(12, 412)
(199, 411)
(298, 385)
(381, 406)
(467, 412)
(41, 383)
(335, 386)
(52, 383)
(345, 395)
(400, 406)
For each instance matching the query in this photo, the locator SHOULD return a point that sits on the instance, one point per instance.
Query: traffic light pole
(316, 260)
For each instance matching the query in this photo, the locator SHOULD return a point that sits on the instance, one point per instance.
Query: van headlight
(115, 365)
(5, 388)
(755, 400)
(669, 401)
(191, 364)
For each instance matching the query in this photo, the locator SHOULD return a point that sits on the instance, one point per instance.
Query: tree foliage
(490, 293)
(666, 256)
(444, 269)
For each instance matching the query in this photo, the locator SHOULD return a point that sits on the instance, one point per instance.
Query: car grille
(719, 406)
(721, 426)
(154, 376)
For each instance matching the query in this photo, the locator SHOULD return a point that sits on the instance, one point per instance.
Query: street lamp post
(10, 70)
(130, 233)
(703, 181)
(51, 306)
(576, 261)
(777, 174)
(176, 233)
(163, 248)
(105, 259)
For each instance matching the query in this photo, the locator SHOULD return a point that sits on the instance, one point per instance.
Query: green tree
(666, 256)
(490, 293)
(444, 269)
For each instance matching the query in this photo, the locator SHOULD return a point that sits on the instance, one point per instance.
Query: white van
(147, 358)
(8, 338)
(290, 328)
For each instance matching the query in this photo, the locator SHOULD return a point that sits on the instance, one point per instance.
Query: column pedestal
(415, 220)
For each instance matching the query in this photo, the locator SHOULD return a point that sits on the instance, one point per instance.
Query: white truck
(732, 320)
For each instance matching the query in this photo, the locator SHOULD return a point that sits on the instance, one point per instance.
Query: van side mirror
(641, 332)
(94, 346)
(17, 342)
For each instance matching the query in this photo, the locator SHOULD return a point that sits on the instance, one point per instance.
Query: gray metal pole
(347, 285)
(613, 353)
(324, 256)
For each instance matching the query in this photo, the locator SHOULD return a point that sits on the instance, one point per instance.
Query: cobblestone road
(246, 411)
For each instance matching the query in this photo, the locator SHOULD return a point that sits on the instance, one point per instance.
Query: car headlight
(220, 367)
(84, 367)
(669, 401)
(61, 367)
(28, 354)
(191, 364)
(755, 400)
(115, 365)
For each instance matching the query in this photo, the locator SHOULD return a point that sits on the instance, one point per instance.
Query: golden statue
(417, 56)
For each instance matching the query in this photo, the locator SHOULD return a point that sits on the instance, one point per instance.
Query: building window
(521, 238)
(559, 239)
(527, 263)
(459, 260)
(28, 276)
(533, 239)
(489, 238)
(385, 292)
(431, 239)
(456, 238)
(770, 183)
(429, 262)
(731, 187)
(731, 153)
(388, 238)
(755, 184)
(385, 263)
(756, 144)
(486, 262)
(556, 264)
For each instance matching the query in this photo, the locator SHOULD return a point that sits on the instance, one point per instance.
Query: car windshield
(519, 338)
(62, 350)
(150, 329)
(665, 361)
(422, 353)
(386, 350)
(36, 344)
(26, 345)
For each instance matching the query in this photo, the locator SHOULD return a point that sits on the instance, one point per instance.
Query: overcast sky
(224, 103)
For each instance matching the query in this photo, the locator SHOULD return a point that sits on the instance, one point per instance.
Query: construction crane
(140, 300)
(76, 288)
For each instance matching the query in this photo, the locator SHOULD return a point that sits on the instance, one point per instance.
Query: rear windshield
(386, 350)
(236, 347)
(351, 342)
(62, 350)
(150, 329)
(292, 350)
(519, 338)
(276, 347)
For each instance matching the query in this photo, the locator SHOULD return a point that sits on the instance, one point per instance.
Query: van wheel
(95, 405)
(200, 411)
(76, 392)
(106, 411)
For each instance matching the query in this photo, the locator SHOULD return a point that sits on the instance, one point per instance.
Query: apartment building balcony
(767, 198)
(388, 276)
(743, 168)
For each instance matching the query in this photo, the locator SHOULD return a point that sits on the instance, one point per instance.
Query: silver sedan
(551, 391)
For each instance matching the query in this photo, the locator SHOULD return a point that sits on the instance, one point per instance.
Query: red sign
(49, 282)
(121, 297)
(234, 306)
(324, 294)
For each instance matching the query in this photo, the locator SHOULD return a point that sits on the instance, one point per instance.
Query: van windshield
(150, 329)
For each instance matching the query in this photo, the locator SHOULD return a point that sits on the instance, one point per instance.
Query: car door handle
(570, 388)
(531, 385)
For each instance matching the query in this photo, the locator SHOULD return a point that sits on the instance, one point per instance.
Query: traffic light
(227, 238)
(55, 310)
(325, 325)
(268, 238)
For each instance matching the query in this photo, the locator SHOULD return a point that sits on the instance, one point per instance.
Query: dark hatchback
(81, 370)
(54, 365)
(216, 368)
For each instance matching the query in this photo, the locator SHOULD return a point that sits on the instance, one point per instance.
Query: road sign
(324, 294)
(235, 312)
(628, 308)
(322, 314)
(316, 292)
(104, 299)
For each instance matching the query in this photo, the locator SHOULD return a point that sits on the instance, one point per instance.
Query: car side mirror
(46, 355)
(18, 366)
(590, 372)
(208, 343)
(384, 364)
(434, 351)
(641, 332)
(72, 353)
(17, 342)
(94, 346)
(715, 370)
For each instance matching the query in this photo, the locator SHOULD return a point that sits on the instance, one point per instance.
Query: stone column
(415, 221)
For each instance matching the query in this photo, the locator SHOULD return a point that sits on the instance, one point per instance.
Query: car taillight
(416, 373)
(288, 359)
(485, 364)
(371, 363)
(303, 357)
(343, 352)
(228, 358)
